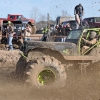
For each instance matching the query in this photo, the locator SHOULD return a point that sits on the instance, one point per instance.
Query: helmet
(93, 34)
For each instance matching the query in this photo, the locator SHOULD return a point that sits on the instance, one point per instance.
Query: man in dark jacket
(68, 28)
(79, 10)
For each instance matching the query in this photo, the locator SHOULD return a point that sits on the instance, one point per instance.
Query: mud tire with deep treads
(44, 63)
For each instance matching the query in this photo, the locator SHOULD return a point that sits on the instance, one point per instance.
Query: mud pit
(77, 87)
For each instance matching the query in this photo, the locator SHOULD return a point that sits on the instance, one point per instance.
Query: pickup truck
(94, 22)
(16, 17)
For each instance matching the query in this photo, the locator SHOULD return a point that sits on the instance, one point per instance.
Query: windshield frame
(71, 38)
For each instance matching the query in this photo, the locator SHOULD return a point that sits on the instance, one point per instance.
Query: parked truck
(93, 22)
(19, 17)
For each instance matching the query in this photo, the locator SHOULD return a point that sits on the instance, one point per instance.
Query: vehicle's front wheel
(46, 72)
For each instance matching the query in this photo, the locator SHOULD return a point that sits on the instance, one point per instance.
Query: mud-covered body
(46, 60)
(70, 47)
(55, 46)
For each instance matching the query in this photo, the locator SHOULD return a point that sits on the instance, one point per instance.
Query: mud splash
(8, 59)
(77, 87)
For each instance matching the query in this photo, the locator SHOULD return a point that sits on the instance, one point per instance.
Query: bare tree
(35, 13)
(42, 18)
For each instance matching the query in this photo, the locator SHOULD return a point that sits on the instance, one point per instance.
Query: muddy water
(78, 87)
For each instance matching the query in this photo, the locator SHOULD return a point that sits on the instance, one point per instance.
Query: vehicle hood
(57, 46)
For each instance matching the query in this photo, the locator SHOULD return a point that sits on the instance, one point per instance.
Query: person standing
(68, 28)
(78, 10)
(45, 33)
(10, 30)
(27, 33)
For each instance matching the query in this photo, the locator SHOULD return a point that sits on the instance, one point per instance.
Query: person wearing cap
(90, 42)
(10, 30)
(79, 10)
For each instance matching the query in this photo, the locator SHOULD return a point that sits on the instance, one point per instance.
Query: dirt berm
(8, 60)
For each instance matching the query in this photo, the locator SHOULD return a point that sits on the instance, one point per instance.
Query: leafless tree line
(38, 16)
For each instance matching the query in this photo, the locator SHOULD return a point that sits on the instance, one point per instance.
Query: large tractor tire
(45, 72)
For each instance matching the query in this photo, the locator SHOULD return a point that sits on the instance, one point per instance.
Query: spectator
(79, 10)
(68, 28)
(27, 33)
(45, 34)
(59, 29)
(9, 35)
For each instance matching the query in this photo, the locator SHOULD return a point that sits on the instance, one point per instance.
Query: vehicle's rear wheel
(46, 72)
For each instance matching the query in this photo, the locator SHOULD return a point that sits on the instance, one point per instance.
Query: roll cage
(86, 34)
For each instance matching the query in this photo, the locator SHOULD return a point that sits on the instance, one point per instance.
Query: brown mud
(78, 87)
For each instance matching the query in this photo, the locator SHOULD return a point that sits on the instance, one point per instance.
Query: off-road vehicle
(43, 63)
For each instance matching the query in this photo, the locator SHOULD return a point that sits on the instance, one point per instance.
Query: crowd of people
(10, 34)
(63, 30)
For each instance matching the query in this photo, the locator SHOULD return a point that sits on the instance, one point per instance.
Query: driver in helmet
(92, 40)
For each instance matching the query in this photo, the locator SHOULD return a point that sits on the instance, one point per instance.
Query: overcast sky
(53, 7)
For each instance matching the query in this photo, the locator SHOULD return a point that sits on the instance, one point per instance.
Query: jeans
(10, 37)
(80, 16)
(63, 39)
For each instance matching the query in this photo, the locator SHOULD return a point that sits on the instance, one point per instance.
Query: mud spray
(77, 87)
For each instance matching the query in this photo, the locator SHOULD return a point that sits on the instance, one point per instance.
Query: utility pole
(48, 21)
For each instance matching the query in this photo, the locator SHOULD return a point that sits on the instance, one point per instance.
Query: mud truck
(47, 63)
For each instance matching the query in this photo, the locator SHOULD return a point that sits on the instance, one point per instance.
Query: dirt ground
(78, 87)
